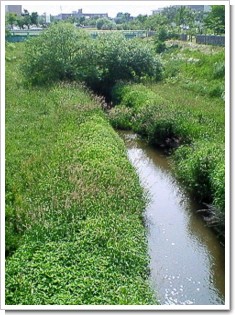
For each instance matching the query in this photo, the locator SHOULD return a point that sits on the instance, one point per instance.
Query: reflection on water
(186, 259)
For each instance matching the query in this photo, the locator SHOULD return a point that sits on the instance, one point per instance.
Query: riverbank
(184, 114)
(74, 231)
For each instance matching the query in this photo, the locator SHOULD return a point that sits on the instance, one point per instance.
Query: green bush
(134, 95)
(160, 47)
(64, 53)
(121, 117)
(197, 167)
(162, 35)
(59, 53)
(219, 70)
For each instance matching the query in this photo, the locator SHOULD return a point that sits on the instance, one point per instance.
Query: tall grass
(195, 71)
(74, 232)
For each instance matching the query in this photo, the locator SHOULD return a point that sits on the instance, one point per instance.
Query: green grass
(74, 232)
(196, 71)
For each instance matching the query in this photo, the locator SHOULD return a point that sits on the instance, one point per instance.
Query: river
(186, 259)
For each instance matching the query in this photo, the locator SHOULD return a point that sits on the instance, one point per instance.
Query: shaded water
(186, 258)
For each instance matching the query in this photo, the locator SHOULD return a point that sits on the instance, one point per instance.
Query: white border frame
(226, 306)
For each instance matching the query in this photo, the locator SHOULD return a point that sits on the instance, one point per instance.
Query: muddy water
(186, 259)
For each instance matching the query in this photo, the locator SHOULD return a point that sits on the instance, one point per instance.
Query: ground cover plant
(178, 114)
(74, 231)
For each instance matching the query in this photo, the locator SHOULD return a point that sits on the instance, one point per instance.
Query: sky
(111, 7)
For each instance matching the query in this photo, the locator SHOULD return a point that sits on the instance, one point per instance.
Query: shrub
(120, 117)
(162, 35)
(122, 59)
(196, 166)
(219, 70)
(217, 178)
(160, 47)
(55, 54)
(134, 95)
(63, 52)
(101, 22)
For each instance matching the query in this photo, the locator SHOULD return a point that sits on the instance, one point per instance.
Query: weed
(74, 203)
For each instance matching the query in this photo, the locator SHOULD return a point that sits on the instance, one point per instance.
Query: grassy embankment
(74, 233)
(185, 111)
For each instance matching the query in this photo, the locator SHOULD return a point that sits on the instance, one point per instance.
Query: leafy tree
(170, 13)
(63, 52)
(184, 16)
(215, 19)
(141, 18)
(20, 22)
(11, 19)
(102, 21)
(26, 18)
(90, 22)
(155, 22)
(159, 40)
(53, 55)
(109, 26)
(34, 18)
(122, 18)
(81, 20)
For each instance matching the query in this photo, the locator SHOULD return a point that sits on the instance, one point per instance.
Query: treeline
(175, 19)
(24, 20)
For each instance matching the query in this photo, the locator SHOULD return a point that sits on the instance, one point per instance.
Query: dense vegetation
(74, 231)
(186, 113)
(65, 53)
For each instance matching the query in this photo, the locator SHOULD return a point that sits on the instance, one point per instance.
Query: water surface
(186, 259)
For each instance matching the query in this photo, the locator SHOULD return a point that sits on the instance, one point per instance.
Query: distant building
(17, 9)
(158, 11)
(79, 13)
(48, 18)
(195, 7)
(205, 8)
(199, 7)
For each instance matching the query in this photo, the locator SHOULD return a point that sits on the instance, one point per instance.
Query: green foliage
(11, 47)
(74, 203)
(198, 167)
(26, 18)
(62, 52)
(52, 56)
(121, 117)
(219, 70)
(159, 40)
(101, 22)
(215, 20)
(160, 47)
(34, 18)
(162, 35)
(11, 19)
(134, 95)
(196, 71)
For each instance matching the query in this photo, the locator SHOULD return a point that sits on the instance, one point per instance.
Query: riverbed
(186, 258)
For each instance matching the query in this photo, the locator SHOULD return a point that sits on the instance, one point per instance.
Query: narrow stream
(186, 258)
